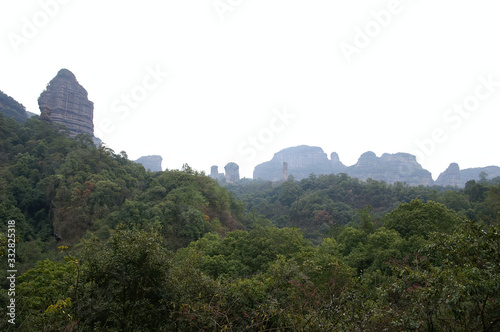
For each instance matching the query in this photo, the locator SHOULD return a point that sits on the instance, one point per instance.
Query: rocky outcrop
(65, 101)
(305, 160)
(302, 161)
(232, 172)
(455, 177)
(337, 166)
(151, 163)
(390, 168)
(450, 177)
(214, 173)
(12, 109)
(285, 171)
(477, 173)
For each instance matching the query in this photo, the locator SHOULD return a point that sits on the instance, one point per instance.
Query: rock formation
(391, 168)
(450, 177)
(304, 160)
(285, 171)
(476, 173)
(151, 163)
(337, 166)
(65, 101)
(455, 177)
(232, 172)
(214, 173)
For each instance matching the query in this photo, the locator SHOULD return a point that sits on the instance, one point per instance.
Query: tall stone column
(65, 101)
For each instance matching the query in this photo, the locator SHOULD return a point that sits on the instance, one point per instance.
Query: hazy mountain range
(64, 101)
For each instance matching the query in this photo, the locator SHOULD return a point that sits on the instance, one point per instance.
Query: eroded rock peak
(66, 102)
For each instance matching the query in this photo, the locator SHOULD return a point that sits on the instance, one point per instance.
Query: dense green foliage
(319, 202)
(57, 189)
(9, 107)
(103, 245)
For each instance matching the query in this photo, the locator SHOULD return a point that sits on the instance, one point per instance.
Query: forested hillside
(57, 189)
(320, 204)
(11, 108)
(103, 245)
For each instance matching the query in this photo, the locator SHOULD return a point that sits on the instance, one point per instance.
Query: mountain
(65, 101)
(450, 177)
(30, 114)
(398, 167)
(455, 177)
(151, 163)
(477, 173)
(303, 160)
(12, 109)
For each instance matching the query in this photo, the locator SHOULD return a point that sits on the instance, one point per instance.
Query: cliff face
(214, 173)
(391, 168)
(231, 175)
(65, 101)
(455, 177)
(337, 166)
(450, 177)
(304, 160)
(151, 163)
(232, 172)
(477, 173)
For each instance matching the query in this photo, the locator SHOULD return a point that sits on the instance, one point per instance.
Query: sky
(217, 81)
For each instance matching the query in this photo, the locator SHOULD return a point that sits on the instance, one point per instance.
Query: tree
(39, 290)
(454, 285)
(476, 191)
(421, 219)
(492, 201)
(366, 217)
(125, 281)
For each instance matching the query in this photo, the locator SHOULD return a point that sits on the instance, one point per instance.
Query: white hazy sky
(348, 76)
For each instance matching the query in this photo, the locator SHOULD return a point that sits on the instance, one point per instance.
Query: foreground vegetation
(103, 245)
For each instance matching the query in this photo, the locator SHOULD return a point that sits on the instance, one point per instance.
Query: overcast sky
(211, 82)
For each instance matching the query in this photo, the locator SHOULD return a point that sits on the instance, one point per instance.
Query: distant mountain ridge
(151, 163)
(455, 177)
(65, 101)
(303, 160)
